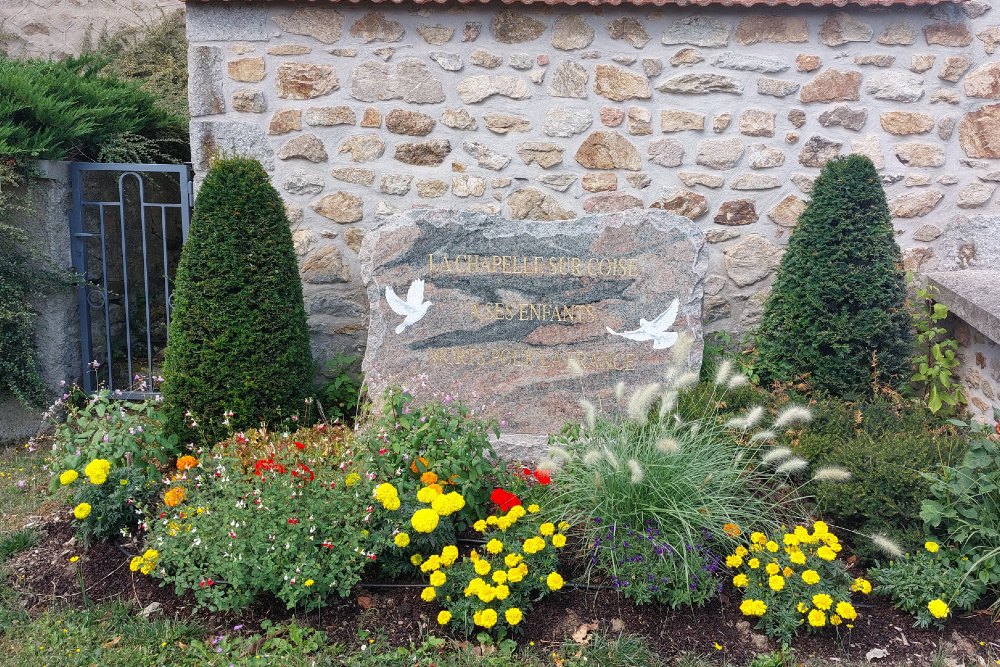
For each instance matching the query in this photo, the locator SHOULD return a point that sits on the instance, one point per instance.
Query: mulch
(44, 577)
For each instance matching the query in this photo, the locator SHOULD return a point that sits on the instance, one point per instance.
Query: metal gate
(127, 225)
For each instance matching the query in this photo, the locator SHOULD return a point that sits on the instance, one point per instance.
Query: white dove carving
(413, 309)
(655, 331)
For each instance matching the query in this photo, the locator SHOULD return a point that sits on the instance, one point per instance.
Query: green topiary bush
(238, 336)
(836, 313)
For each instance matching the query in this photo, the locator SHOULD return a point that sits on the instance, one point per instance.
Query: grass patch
(23, 488)
(16, 542)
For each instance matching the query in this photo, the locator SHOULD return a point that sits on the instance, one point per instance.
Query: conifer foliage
(238, 338)
(836, 311)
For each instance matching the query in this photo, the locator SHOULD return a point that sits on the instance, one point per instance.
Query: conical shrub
(238, 337)
(836, 311)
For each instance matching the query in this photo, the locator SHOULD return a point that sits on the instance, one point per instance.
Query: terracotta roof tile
(679, 3)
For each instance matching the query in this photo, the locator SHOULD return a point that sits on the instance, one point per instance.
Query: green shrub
(68, 110)
(239, 347)
(836, 313)
(293, 528)
(115, 505)
(930, 573)
(887, 447)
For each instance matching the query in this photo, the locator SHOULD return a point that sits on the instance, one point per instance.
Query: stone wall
(722, 115)
(56, 28)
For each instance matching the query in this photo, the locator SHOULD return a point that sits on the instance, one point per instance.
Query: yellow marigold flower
(523, 567)
(151, 554)
(474, 586)
(473, 555)
(753, 607)
(820, 528)
(816, 618)
(424, 520)
(932, 547)
(790, 540)
(487, 618)
(428, 594)
(513, 616)
(352, 479)
(558, 540)
(547, 529)
(438, 578)
(135, 564)
(826, 553)
(431, 564)
(733, 560)
(533, 545)
(82, 511)
(444, 616)
(731, 529)
(741, 551)
(533, 508)
(514, 576)
(391, 504)
(385, 490)
(801, 533)
(773, 568)
(835, 620)
(554, 581)
(758, 537)
(482, 568)
(494, 546)
(862, 586)
(428, 478)
(771, 546)
(938, 608)
(787, 572)
(147, 568)
(563, 526)
(797, 557)
(416, 559)
(500, 576)
(97, 470)
(401, 540)
(174, 497)
(444, 505)
(438, 488)
(491, 520)
(811, 577)
(186, 462)
(753, 563)
(486, 593)
(516, 512)
(512, 560)
(449, 555)
(802, 607)
(308, 583)
(776, 582)
(68, 477)
(501, 592)
(427, 495)
(846, 610)
(822, 601)
(740, 581)
(479, 526)
(504, 522)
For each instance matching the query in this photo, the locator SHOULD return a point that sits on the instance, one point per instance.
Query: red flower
(543, 477)
(293, 521)
(267, 464)
(303, 471)
(526, 472)
(505, 500)
(300, 445)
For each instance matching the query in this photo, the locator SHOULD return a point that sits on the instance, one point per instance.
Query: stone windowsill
(973, 296)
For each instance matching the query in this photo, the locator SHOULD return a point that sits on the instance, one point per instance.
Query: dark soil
(43, 577)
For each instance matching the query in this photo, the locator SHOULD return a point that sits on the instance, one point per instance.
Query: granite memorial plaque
(521, 320)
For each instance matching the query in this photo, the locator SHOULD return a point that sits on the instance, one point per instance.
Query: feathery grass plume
(612, 459)
(747, 421)
(589, 413)
(886, 545)
(574, 367)
(775, 455)
(597, 480)
(556, 453)
(695, 428)
(832, 474)
(792, 466)
(620, 390)
(792, 414)
(686, 380)
(737, 381)
(592, 457)
(668, 445)
(682, 347)
(670, 374)
(635, 469)
(763, 435)
(725, 370)
(638, 404)
(667, 403)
